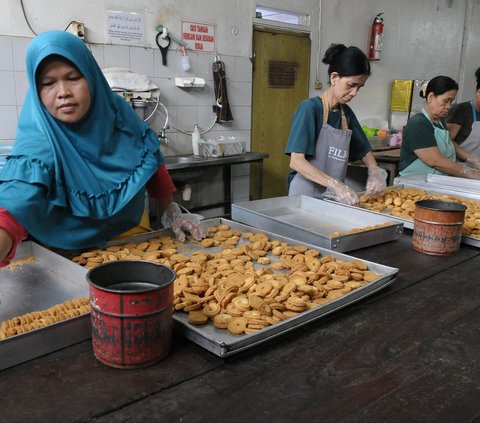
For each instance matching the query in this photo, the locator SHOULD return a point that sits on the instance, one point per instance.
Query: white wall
(422, 39)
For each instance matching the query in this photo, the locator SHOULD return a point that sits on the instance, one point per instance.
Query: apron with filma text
(331, 156)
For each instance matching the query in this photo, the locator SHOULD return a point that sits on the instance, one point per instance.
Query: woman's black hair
(346, 61)
(477, 76)
(439, 85)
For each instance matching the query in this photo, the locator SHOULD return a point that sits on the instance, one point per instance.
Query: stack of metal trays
(322, 223)
(449, 183)
(36, 280)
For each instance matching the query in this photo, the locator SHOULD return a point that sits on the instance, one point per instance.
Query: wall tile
(241, 117)
(7, 88)
(8, 122)
(239, 93)
(21, 86)
(141, 61)
(20, 45)
(98, 52)
(6, 53)
(243, 69)
(116, 56)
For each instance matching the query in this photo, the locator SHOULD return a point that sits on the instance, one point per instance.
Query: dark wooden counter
(409, 353)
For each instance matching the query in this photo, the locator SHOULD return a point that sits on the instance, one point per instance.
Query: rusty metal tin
(131, 309)
(437, 227)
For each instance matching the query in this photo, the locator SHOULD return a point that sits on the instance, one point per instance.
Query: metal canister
(131, 309)
(437, 227)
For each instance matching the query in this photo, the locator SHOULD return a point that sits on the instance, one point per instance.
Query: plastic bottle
(195, 140)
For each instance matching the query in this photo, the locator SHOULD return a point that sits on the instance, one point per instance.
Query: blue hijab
(77, 185)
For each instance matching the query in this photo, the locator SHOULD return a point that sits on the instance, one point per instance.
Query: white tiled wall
(186, 106)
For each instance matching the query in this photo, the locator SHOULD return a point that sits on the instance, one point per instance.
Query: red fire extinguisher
(376, 35)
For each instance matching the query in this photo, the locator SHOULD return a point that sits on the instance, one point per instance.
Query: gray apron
(472, 142)
(331, 156)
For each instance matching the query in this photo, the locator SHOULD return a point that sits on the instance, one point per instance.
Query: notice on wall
(126, 28)
(199, 36)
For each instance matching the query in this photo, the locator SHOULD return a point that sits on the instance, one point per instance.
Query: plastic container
(131, 310)
(437, 227)
(221, 147)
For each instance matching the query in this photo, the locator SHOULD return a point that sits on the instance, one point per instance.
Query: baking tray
(440, 190)
(219, 341)
(451, 183)
(312, 220)
(48, 280)
(223, 344)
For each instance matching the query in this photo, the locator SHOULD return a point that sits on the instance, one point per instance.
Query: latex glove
(469, 170)
(376, 181)
(473, 161)
(339, 191)
(182, 223)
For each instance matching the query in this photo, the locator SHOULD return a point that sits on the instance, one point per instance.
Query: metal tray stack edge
(50, 279)
(312, 221)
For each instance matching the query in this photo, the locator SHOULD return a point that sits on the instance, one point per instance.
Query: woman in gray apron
(427, 146)
(325, 134)
(463, 122)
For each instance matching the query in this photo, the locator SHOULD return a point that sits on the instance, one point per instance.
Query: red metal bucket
(437, 227)
(131, 309)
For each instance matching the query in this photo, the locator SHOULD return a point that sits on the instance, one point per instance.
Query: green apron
(444, 144)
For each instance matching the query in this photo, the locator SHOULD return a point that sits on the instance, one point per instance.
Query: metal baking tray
(453, 184)
(312, 220)
(48, 280)
(223, 344)
(219, 341)
(440, 190)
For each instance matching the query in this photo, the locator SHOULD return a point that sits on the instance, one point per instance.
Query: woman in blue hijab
(82, 159)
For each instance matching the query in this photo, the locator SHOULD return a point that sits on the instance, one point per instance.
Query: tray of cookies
(326, 224)
(43, 304)
(242, 286)
(399, 201)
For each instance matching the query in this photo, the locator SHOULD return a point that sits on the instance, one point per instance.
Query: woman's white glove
(376, 181)
(470, 170)
(181, 223)
(473, 161)
(340, 192)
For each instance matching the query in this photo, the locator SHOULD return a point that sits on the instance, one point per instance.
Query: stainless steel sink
(183, 158)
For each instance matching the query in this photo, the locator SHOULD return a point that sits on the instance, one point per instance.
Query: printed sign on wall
(126, 28)
(199, 36)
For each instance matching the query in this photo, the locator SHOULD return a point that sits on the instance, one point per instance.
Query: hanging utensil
(224, 114)
(163, 42)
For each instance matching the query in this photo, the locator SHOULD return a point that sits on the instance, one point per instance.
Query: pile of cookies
(400, 202)
(39, 319)
(248, 282)
(234, 293)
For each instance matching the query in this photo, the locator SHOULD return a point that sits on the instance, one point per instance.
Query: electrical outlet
(77, 28)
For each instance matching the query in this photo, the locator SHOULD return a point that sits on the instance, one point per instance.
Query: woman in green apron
(325, 134)
(427, 146)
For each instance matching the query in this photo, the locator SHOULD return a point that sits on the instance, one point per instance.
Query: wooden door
(280, 82)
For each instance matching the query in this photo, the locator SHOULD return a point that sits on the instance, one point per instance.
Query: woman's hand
(182, 223)
(6, 244)
(376, 181)
(339, 191)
